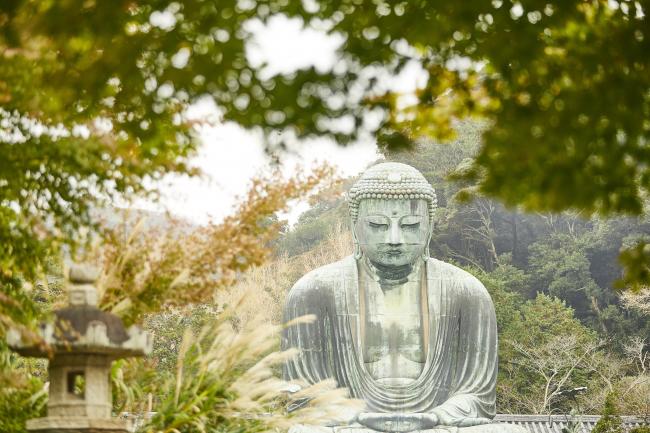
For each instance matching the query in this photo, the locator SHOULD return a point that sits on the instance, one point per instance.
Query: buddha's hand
(444, 419)
(397, 422)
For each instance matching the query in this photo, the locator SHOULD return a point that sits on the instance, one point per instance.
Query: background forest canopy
(94, 99)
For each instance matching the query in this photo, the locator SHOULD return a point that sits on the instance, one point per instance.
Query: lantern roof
(83, 328)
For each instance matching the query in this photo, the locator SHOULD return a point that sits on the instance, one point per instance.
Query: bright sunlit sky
(231, 156)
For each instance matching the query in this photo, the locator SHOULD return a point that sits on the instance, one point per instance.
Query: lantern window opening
(77, 383)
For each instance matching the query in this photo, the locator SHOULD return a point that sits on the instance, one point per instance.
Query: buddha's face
(392, 232)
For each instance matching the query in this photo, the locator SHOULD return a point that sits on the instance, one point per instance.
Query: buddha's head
(391, 207)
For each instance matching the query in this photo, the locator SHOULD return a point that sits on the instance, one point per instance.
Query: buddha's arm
(312, 364)
(472, 399)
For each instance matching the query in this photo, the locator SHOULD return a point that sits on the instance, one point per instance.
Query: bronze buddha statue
(412, 336)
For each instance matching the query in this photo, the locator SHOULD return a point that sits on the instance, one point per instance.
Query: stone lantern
(83, 342)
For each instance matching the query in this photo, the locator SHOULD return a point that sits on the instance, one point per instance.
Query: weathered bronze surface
(412, 336)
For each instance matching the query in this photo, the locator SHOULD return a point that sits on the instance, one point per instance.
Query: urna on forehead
(391, 181)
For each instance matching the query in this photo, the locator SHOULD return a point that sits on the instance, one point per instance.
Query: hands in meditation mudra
(413, 337)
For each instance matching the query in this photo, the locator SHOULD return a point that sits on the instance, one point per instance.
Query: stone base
(484, 428)
(56, 424)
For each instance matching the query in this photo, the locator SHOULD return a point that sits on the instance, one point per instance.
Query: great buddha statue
(412, 336)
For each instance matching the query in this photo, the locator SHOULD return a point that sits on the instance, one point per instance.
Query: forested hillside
(563, 323)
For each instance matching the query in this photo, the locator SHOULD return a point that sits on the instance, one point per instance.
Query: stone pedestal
(356, 428)
(56, 424)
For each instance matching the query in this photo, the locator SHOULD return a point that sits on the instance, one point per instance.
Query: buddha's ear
(426, 253)
(431, 224)
(355, 240)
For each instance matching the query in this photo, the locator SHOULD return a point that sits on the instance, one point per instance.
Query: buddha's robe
(459, 375)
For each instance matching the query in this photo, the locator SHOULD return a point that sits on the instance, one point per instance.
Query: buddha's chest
(393, 331)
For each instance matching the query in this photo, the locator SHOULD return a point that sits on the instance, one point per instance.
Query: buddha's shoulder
(447, 271)
(325, 278)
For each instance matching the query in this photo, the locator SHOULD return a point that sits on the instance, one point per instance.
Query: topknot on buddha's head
(391, 181)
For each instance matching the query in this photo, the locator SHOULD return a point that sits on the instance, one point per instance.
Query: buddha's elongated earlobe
(426, 254)
(358, 254)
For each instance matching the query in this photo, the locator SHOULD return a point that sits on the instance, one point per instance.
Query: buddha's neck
(390, 276)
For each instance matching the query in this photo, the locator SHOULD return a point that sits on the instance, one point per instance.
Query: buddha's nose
(395, 236)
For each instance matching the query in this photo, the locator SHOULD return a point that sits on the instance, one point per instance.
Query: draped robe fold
(459, 376)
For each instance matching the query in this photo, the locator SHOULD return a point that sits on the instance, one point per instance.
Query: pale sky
(231, 156)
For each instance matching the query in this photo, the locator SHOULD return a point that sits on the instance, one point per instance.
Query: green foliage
(514, 279)
(544, 352)
(503, 285)
(567, 109)
(22, 392)
(610, 421)
(437, 161)
(546, 317)
(573, 125)
(16, 306)
(74, 133)
(20, 399)
(636, 262)
(169, 327)
(312, 228)
(561, 268)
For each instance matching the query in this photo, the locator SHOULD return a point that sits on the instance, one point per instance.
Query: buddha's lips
(391, 249)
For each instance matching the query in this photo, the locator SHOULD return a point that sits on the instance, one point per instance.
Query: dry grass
(225, 381)
(264, 288)
(225, 376)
